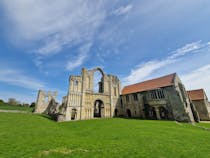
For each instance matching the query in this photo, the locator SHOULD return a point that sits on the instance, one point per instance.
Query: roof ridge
(196, 94)
(152, 79)
(163, 81)
(195, 90)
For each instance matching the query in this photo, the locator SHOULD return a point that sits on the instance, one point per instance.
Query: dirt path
(14, 111)
(204, 121)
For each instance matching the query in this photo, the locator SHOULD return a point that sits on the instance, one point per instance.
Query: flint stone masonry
(161, 98)
(200, 101)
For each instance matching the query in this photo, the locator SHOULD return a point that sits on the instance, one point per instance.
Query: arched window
(98, 84)
(128, 113)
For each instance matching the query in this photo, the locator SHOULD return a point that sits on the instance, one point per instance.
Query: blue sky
(42, 42)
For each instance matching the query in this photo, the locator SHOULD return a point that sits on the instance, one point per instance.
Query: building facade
(84, 102)
(160, 98)
(200, 101)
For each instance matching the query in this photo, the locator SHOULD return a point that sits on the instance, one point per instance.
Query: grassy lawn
(30, 135)
(5, 106)
(206, 125)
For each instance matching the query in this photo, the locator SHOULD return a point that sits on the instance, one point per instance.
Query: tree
(13, 101)
(32, 105)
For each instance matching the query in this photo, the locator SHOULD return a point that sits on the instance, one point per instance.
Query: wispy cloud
(74, 63)
(54, 24)
(143, 70)
(198, 78)
(17, 78)
(123, 9)
(49, 48)
(191, 47)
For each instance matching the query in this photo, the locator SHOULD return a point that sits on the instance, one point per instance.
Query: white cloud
(142, 71)
(17, 78)
(50, 48)
(191, 47)
(49, 27)
(54, 24)
(72, 64)
(198, 78)
(123, 10)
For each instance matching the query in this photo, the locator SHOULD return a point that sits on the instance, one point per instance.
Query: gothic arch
(98, 84)
(98, 69)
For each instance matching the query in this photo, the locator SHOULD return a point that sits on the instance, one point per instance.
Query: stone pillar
(157, 112)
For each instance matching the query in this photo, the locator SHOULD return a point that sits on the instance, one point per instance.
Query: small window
(157, 94)
(161, 93)
(121, 102)
(135, 97)
(127, 98)
(153, 94)
(163, 96)
(76, 82)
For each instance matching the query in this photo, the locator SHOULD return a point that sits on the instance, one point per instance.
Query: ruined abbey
(160, 98)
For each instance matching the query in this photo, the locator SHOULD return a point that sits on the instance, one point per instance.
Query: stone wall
(174, 105)
(202, 109)
(82, 99)
(46, 102)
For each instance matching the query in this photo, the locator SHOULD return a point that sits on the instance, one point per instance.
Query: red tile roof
(197, 94)
(163, 81)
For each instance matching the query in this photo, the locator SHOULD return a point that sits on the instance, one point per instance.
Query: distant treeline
(14, 102)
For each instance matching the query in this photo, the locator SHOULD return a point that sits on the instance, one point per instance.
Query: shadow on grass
(47, 117)
(54, 118)
(145, 119)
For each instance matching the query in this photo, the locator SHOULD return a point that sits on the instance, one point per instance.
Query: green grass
(6, 106)
(30, 135)
(206, 125)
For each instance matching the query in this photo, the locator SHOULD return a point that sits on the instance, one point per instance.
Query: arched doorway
(150, 112)
(163, 113)
(115, 112)
(153, 114)
(98, 108)
(73, 114)
(128, 112)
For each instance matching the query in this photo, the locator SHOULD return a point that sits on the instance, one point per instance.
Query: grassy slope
(5, 106)
(28, 135)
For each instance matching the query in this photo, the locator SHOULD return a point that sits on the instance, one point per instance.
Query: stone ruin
(169, 101)
(82, 101)
(46, 103)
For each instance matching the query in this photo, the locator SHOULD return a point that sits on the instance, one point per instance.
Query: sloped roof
(197, 94)
(163, 81)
